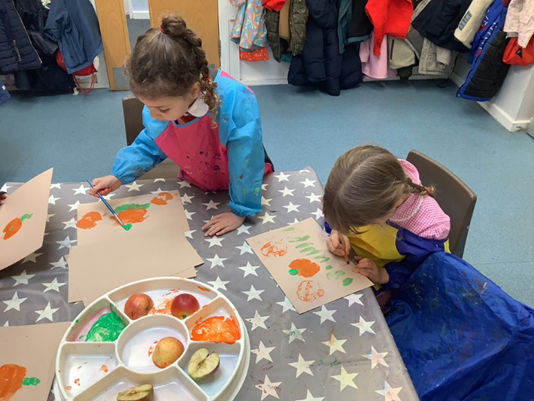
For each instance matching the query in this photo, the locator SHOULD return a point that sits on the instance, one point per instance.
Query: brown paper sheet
(298, 259)
(23, 220)
(33, 349)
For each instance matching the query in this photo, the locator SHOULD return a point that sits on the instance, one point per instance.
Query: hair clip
(162, 31)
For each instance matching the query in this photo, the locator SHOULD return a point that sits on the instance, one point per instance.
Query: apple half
(139, 393)
(203, 364)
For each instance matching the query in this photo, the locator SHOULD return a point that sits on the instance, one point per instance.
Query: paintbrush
(346, 256)
(109, 207)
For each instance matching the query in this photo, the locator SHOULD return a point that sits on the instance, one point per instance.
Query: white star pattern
(294, 333)
(310, 397)
(286, 192)
(189, 214)
(81, 190)
(158, 191)
(32, 257)
(186, 199)
(291, 207)
(257, 321)
(253, 293)
(267, 218)
(74, 206)
(214, 241)
(335, 344)
(211, 205)
(376, 358)
(364, 326)
(184, 184)
(294, 222)
(245, 248)
(5, 187)
(216, 261)
(283, 177)
(52, 200)
(314, 198)
(159, 179)
(46, 313)
(354, 299)
(109, 196)
(134, 186)
(14, 303)
(70, 224)
(302, 366)
(189, 234)
(268, 388)
(66, 243)
(243, 229)
(262, 352)
(318, 214)
(305, 170)
(308, 183)
(265, 202)
(60, 263)
(218, 284)
(249, 269)
(6, 324)
(345, 379)
(22, 279)
(389, 393)
(264, 187)
(48, 217)
(53, 286)
(57, 185)
(286, 305)
(325, 314)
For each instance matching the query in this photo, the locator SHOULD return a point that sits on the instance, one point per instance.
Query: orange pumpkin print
(14, 226)
(11, 378)
(309, 291)
(276, 249)
(304, 268)
(89, 220)
(217, 329)
(162, 198)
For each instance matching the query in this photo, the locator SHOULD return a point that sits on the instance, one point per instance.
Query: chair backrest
(455, 198)
(132, 109)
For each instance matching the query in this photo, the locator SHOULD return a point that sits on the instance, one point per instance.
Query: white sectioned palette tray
(99, 371)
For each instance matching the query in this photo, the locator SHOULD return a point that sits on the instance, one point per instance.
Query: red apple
(184, 305)
(168, 350)
(138, 305)
(203, 364)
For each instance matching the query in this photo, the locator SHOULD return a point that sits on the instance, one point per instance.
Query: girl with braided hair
(209, 126)
(375, 205)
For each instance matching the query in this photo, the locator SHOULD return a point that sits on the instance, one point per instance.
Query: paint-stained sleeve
(143, 155)
(242, 136)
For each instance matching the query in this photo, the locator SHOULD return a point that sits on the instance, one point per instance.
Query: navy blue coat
(16, 50)
(4, 94)
(321, 64)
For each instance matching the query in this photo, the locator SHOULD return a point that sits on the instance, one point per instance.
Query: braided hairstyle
(167, 61)
(364, 186)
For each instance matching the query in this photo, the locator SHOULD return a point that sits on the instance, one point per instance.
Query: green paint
(76, 321)
(289, 229)
(329, 275)
(335, 363)
(303, 245)
(300, 239)
(347, 281)
(328, 267)
(309, 249)
(314, 252)
(293, 272)
(31, 381)
(82, 337)
(106, 329)
(26, 216)
(130, 206)
(323, 259)
(127, 227)
(339, 273)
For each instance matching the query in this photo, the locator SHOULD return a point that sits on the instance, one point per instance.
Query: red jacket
(389, 17)
(274, 5)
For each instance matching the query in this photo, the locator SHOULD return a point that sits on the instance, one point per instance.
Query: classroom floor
(79, 136)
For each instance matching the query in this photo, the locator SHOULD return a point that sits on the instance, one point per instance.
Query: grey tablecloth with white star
(341, 351)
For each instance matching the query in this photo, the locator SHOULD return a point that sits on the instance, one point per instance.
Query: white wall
(139, 9)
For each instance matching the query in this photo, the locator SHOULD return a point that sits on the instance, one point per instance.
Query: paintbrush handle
(105, 202)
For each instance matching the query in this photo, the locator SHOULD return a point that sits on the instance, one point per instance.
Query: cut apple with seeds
(139, 393)
(203, 364)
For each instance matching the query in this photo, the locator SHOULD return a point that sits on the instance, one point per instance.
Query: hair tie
(162, 31)
(428, 192)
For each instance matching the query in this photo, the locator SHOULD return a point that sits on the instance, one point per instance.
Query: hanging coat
(520, 20)
(321, 65)
(16, 50)
(249, 30)
(4, 94)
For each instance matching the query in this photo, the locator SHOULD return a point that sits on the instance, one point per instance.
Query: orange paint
(77, 381)
(275, 249)
(162, 199)
(305, 268)
(163, 308)
(216, 329)
(203, 288)
(309, 291)
(104, 369)
(89, 220)
(12, 228)
(11, 378)
(151, 349)
(131, 216)
(68, 388)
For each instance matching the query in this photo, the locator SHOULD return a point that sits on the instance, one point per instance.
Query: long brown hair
(364, 185)
(167, 61)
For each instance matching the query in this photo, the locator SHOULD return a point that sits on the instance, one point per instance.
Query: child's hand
(338, 243)
(3, 197)
(105, 185)
(366, 267)
(222, 224)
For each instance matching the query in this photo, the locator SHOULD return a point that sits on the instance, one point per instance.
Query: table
(343, 351)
